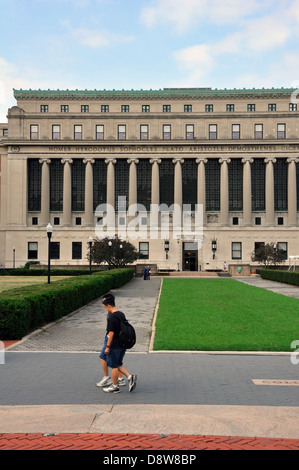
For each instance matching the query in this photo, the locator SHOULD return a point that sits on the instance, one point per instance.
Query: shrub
(24, 309)
(287, 277)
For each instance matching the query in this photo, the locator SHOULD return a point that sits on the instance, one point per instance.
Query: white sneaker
(104, 382)
(132, 382)
(121, 382)
(112, 389)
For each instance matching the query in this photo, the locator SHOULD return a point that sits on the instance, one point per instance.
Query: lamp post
(13, 257)
(90, 240)
(49, 234)
(110, 245)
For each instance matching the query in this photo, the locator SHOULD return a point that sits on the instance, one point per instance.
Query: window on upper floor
(146, 108)
(258, 131)
(84, 108)
(188, 108)
(209, 108)
(293, 107)
(144, 132)
(272, 107)
(281, 131)
(122, 132)
(230, 108)
(64, 108)
(78, 132)
(125, 108)
(166, 108)
(189, 131)
(166, 132)
(251, 108)
(105, 108)
(34, 132)
(56, 132)
(213, 131)
(236, 131)
(99, 132)
(44, 108)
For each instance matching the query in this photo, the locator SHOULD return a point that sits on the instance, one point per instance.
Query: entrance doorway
(190, 256)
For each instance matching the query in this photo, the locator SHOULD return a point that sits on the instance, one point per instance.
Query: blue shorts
(114, 358)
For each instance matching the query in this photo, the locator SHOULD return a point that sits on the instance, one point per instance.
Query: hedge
(24, 309)
(287, 277)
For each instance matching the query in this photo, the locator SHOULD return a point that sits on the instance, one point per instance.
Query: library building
(225, 161)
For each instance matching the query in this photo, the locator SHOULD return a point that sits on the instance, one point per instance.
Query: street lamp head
(90, 239)
(110, 243)
(121, 247)
(49, 228)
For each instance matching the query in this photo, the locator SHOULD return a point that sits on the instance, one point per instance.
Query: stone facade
(233, 153)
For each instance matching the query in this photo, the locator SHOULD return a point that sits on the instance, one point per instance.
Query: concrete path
(48, 382)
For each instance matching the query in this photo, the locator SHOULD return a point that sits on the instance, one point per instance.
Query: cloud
(100, 39)
(183, 15)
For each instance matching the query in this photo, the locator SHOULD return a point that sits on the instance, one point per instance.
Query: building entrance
(190, 256)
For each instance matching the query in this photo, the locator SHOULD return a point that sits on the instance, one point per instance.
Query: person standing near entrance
(114, 352)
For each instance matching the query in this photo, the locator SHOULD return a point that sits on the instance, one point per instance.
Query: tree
(113, 252)
(268, 254)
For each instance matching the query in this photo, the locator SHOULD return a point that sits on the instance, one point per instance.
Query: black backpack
(127, 334)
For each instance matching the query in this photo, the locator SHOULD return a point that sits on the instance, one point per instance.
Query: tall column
(178, 182)
(133, 162)
(292, 191)
(247, 196)
(45, 196)
(111, 181)
(155, 199)
(89, 214)
(224, 203)
(270, 190)
(67, 191)
(201, 185)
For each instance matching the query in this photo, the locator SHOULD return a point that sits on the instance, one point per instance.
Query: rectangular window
(258, 131)
(64, 108)
(230, 108)
(284, 247)
(76, 250)
(32, 250)
(5, 132)
(166, 108)
(271, 107)
(143, 250)
(209, 108)
(34, 132)
(56, 132)
(166, 132)
(145, 108)
(293, 107)
(281, 131)
(44, 108)
(125, 108)
(122, 132)
(105, 108)
(55, 250)
(251, 108)
(213, 131)
(100, 132)
(236, 131)
(144, 132)
(78, 132)
(188, 108)
(84, 108)
(34, 221)
(189, 132)
(237, 250)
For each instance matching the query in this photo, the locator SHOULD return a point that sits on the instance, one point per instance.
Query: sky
(147, 44)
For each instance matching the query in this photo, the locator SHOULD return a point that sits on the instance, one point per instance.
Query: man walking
(114, 352)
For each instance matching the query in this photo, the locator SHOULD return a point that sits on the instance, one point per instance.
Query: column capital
(293, 159)
(67, 160)
(155, 160)
(224, 160)
(110, 160)
(178, 160)
(89, 160)
(247, 160)
(270, 160)
(201, 160)
(133, 160)
(44, 160)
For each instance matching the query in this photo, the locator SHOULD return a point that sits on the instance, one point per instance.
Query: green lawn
(13, 282)
(224, 315)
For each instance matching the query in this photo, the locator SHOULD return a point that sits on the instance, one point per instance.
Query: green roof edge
(160, 93)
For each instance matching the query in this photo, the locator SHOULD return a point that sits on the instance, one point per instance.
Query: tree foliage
(118, 255)
(268, 254)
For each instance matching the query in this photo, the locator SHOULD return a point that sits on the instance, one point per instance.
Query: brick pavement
(139, 442)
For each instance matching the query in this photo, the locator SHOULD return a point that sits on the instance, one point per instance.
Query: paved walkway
(184, 401)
